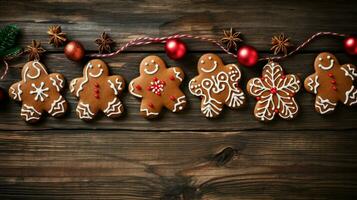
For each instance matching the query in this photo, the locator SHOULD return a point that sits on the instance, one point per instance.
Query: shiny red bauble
(350, 44)
(175, 49)
(247, 56)
(74, 51)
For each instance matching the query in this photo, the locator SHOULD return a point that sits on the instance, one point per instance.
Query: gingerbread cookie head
(158, 87)
(332, 83)
(217, 85)
(97, 91)
(274, 92)
(325, 62)
(39, 92)
(208, 63)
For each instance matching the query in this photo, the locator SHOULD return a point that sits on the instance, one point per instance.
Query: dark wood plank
(191, 119)
(178, 165)
(126, 20)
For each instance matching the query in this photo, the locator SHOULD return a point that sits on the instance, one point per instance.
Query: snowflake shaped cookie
(158, 87)
(274, 93)
(217, 85)
(39, 92)
(332, 83)
(97, 91)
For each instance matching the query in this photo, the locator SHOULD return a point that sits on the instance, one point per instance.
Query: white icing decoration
(350, 72)
(323, 104)
(351, 95)
(327, 67)
(148, 113)
(38, 71)
(216, 84)
(113, 107)
(131, 86)
(54, 82)
(17, 96)
(272, 79)
(39, 91)
(57, 106)
(96, 75)
(181, 100)
(112, 85)
(87, 113)
(28, 112)
(89, 65)
(211, 69)
(177, 74)
(71, 87)
(152, 71)
(315, 82)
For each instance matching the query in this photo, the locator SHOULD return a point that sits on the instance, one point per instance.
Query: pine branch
(8, 39)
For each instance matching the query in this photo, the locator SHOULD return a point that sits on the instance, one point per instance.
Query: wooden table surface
(180, 156)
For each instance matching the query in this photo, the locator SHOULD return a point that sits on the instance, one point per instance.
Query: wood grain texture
(180, 156)
(178, 165)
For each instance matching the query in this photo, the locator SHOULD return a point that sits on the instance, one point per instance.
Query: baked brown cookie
(39, 92)
(331, 83)
(217, 85)
(158, 87)
(274, 93)
(97, 91)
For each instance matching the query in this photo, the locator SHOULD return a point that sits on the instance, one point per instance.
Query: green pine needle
(8, 40)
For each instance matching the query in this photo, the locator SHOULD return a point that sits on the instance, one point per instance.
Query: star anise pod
(105, 43)
(57, 37)
(35, 50)
(280, 44)
(231, 39)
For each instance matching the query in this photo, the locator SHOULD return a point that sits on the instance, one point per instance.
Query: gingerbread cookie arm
(76, 86)
(15, 91)
(57, 80)
(176, 103)
(350, 71)
(117, 84)
(195, 87)
(312, 84)
(176, 74)
(135, 88)
(57, 107)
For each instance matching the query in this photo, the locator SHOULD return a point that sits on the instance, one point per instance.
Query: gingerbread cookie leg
(324, 106)
(58, 107)
(235, 98)
(84, 111)
(30, 113)
(350, 96)
(149, 108)
(114, 108)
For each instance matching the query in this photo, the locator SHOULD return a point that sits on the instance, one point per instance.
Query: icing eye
(99, 65)
(329, 57)
(146, 64)
(152, 61)
(202, 61)
(320, 59)
(210, 58)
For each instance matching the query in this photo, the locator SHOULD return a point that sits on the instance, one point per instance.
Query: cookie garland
(217, 85)
(157, 87)
(274, 93)
(39, 92)
(246, 55)
(331, 83)
(97, 91)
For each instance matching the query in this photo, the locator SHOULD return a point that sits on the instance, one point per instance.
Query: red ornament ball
(175, 49)
(74, 51)
(247, 56)
(350, 44)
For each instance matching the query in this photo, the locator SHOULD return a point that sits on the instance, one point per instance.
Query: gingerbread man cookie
(217, 85)
(39, 92)
(275, 93)
(97, 91)
(331, 83)
(158, 87)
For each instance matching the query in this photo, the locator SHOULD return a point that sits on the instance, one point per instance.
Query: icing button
(334, 88)
(155, 79)
(151, 105)
(172, 77)
(96, 85)
(173, 98)
(273, 90)
(333, 81)
(276, 111)
(257, 98)
(138, 87)
(330, 74)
